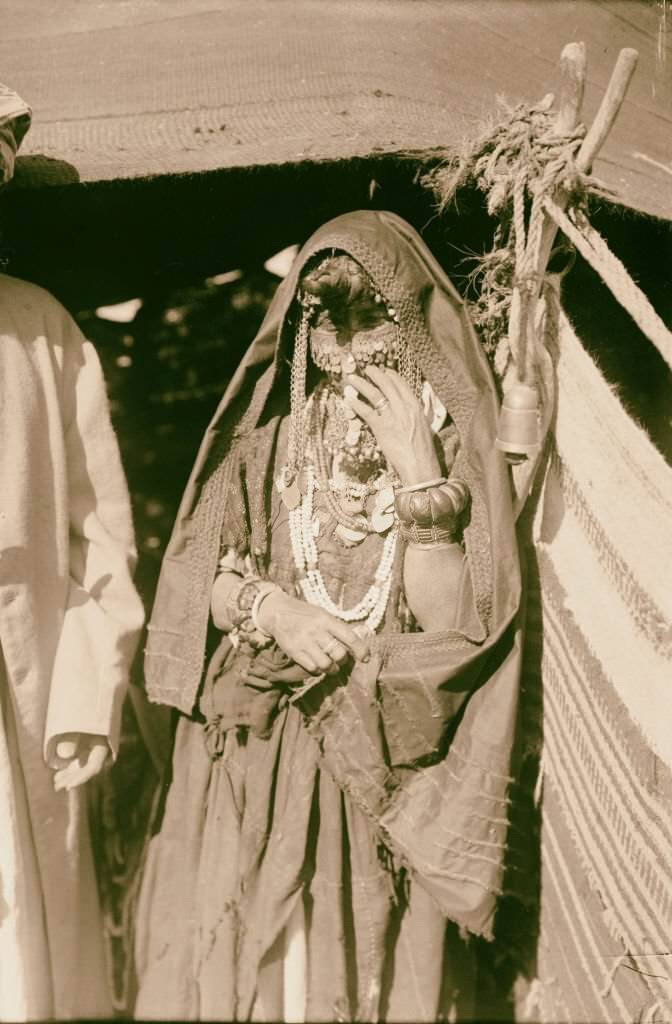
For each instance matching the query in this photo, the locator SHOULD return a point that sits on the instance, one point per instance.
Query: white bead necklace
(371, 609)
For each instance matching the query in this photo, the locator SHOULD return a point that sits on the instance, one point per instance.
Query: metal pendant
(291, 496)
(382, 521)
(348, 364)
(350, 537)
(385, 499)
(302, 481)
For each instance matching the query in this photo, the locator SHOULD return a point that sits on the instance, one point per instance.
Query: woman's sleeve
(103, 613)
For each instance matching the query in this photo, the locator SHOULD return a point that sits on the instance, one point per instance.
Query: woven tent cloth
(601, 630)
(149, 87)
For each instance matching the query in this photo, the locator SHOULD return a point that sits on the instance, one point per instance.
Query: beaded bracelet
(434, 545)
(240, 599)
(242, 607)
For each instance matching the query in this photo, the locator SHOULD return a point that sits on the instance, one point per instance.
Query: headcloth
(15, 116)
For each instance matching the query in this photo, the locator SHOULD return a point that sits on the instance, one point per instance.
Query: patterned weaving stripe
(579, 961)
(632, 813)
(609, 712)
(647, 617)
(600, 738)
(632, 915)
(611, 840)
(572, 957)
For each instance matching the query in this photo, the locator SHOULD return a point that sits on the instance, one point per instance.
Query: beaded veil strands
(296, 443)
(406, 364)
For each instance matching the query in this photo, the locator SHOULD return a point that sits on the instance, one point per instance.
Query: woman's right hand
(310, 636)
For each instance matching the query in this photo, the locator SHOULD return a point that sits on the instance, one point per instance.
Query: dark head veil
(461, 749)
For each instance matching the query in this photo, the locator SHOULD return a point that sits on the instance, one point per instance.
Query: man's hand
(79, 757)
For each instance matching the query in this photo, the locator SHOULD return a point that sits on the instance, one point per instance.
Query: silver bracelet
(424, 486)
(264, 589)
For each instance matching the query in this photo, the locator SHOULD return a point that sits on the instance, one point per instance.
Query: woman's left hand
(398, 422)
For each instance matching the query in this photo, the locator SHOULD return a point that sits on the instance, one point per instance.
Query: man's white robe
(69, 620)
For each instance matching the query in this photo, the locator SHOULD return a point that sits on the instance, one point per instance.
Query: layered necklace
(345, 499)
(370, 610)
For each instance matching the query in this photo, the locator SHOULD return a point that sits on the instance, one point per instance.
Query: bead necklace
(344, 434)
(371, 609)
(337, 484)
(351, 447)
(318, 410)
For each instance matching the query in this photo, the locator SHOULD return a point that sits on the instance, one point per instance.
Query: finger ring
(330, 647)
(380, 404)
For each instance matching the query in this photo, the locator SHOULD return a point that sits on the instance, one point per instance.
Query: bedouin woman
(335, 621)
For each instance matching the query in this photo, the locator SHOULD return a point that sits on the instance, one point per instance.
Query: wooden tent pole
(521, 395)
(573, 69)
(573, 72)
(609, 108)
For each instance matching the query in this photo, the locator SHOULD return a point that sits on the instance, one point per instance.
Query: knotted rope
(522, 165)
(517, 163)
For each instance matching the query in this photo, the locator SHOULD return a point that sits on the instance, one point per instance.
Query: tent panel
(173, 86)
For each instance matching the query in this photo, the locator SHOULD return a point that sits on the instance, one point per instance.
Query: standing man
(69, 620)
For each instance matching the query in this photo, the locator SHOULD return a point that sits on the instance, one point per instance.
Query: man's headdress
(15, 116)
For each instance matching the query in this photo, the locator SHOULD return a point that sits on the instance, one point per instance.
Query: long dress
(268, 893)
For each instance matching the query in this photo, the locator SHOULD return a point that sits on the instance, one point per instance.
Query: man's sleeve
(103, 614)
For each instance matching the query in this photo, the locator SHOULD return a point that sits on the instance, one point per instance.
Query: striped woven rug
(602, 589)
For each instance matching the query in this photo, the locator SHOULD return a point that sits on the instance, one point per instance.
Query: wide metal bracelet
(428, 535)
(441, 505)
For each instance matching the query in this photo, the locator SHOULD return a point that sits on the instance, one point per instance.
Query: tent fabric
(152, 87)
(603, 554)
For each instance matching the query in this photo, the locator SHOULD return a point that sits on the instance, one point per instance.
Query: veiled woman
(335, 622)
